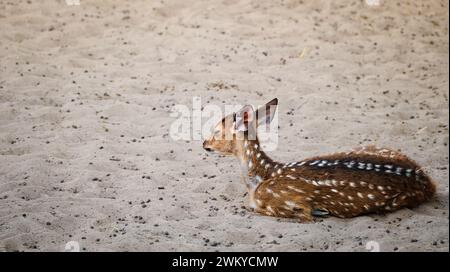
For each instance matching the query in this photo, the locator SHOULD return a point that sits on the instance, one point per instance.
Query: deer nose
(206, 148)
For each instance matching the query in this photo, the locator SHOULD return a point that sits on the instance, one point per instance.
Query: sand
(86, 94)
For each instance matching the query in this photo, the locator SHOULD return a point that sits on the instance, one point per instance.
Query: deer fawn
(365, 180)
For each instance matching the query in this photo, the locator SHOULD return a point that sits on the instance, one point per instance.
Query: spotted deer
(364, 180)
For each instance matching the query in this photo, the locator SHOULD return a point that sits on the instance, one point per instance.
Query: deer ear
(244, 116)
(266, 113)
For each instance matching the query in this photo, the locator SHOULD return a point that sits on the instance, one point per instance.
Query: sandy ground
(86, 94)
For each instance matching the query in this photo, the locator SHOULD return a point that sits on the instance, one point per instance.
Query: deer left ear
(266, 113)
(244, 117)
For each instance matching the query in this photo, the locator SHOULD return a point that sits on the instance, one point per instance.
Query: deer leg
(293, 208)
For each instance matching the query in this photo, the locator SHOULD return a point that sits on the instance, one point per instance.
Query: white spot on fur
(296, 189)
(291, 204)
(314, 163)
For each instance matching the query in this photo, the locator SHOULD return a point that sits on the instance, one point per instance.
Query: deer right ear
(244, 117)
(266, 113)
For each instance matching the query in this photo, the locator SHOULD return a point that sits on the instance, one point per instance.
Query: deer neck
(256, 165)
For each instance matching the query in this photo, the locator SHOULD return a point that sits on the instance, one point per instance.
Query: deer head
(232, 131)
